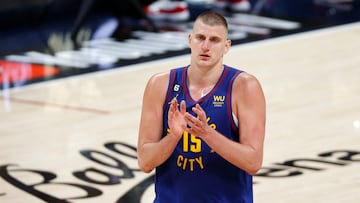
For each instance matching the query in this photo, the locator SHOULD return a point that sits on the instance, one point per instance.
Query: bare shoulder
(247, 83)
(159, 80)
(159, 77)
(157, 86)
(248, 96)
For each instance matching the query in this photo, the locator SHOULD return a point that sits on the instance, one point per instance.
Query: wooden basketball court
(74, 139)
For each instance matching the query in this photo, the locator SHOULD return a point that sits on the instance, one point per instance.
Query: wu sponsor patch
(218, 101)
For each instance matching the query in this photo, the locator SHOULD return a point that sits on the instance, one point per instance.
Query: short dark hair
(213, 18)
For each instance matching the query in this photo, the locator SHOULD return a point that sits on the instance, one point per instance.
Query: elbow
(145, 163)
(144, 167)
(253, 171)
(254, 168)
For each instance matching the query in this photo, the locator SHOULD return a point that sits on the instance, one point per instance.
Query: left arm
(250, 109)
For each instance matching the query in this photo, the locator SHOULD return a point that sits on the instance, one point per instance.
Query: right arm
(152, 149)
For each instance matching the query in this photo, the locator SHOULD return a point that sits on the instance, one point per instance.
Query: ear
(227, 45)
(189, 39)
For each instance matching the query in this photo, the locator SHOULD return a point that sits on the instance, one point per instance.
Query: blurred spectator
(180, 10)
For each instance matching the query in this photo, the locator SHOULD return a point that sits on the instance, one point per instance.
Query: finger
(182, 107)
(172, 106)
(190, 119)
(193, 122)
(200, 112)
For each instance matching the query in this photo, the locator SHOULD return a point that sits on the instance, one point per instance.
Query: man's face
(208, 44)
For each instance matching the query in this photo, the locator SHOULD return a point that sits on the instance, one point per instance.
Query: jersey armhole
(169, 88)
(233, 119)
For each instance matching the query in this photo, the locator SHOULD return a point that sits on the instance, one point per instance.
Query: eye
(215, 39)
(200, 37)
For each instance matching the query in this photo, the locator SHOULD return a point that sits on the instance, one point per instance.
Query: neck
(204, 77)
(201, 81)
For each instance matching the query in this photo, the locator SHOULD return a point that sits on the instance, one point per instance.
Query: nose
(205, 45)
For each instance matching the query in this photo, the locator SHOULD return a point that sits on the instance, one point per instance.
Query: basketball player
(203, 125)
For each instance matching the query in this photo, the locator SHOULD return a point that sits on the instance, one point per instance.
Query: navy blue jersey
(194, 173)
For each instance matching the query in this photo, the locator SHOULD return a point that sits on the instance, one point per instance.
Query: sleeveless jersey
(194, 173)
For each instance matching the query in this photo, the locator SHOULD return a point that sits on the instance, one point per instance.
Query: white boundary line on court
(301, 34)
(186, 56)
